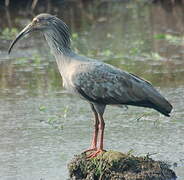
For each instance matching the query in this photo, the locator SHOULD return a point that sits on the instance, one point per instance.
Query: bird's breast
(68, 85)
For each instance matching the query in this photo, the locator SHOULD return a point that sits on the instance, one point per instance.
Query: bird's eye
(35, 20)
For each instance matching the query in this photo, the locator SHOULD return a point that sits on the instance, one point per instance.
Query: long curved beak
(25, 31)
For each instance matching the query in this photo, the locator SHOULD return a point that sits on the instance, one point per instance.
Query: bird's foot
(96, 153)
(90, 149)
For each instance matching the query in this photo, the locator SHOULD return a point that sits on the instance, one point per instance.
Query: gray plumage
(96, 82)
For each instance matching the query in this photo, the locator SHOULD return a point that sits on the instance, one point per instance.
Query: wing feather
(108, 85)
(104, 84)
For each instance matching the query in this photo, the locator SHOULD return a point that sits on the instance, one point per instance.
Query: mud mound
(113, 165)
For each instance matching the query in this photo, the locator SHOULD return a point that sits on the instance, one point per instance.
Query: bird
(98, 83)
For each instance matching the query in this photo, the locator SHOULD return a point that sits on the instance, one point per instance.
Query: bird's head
(46, 23)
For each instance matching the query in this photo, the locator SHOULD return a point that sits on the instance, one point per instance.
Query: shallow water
(42, 127)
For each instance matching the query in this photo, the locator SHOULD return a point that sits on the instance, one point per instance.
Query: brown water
(42, 127)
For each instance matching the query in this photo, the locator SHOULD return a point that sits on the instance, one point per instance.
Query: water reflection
(122, 34)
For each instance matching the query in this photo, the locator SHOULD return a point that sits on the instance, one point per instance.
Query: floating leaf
(75, 36)
(159, 36)
(42, 108)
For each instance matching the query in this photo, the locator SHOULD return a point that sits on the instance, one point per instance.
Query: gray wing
(105, 84)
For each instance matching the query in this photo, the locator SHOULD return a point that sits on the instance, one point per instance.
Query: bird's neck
(58, 44)
(60, 48)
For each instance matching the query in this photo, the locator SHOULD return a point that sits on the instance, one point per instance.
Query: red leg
(101, 137)
(95, 134)
(93, 146)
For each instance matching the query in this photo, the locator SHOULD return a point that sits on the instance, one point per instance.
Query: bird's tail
(159, 103)
(163, 107)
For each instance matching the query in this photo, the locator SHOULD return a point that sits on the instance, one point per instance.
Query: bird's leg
(101, 137)
(95, 133)
(101, 133)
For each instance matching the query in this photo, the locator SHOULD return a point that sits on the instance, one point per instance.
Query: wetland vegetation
(43, 126)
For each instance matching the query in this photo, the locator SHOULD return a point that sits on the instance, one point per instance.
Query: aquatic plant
(172, 39)
(56, 120)
(8, 33)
